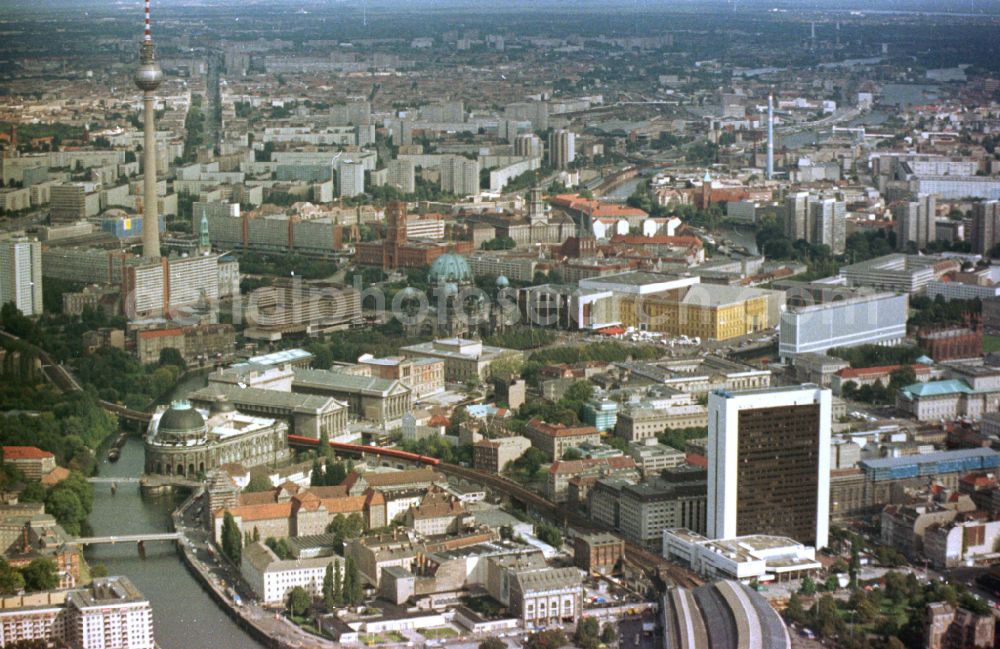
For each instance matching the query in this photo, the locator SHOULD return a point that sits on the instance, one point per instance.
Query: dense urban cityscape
(638, 325)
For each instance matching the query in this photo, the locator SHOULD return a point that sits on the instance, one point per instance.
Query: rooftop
(25, 453)
(342, 382)
(107, 591)
(284, 356)
(274, 398)
(549, 578)
(937, 389)
(634, 278)
(926, 458)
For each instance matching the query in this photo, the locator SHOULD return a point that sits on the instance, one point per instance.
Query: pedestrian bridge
(126, 480)
(128, 538)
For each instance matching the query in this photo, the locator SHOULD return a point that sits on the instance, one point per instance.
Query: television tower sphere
(148, 76)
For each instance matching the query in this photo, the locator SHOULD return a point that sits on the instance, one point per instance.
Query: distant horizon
(617, 5)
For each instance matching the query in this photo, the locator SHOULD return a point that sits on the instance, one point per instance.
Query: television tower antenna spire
(770, 133)
(148, 77)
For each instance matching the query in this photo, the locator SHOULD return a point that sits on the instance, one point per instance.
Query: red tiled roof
(335, 491)
(578, 466)
(881, 370)
(392, 478)
(696, 460)
(25, 453)
(595, 208)
(656, 239)
(560, 430)
(345, 504)
(55, 476)
(268, 511)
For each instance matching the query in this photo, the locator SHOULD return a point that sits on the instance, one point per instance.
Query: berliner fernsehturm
(148, 78)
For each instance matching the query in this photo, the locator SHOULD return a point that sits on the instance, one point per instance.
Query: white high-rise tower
(21, 274)
(770, 136)
(148, 78)
(769, 463)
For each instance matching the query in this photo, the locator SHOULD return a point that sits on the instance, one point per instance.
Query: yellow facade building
(708, 311)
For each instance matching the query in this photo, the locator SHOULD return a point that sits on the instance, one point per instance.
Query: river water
(184, 617)
(626, 189)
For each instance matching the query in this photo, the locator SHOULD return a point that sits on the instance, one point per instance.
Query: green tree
(902, 377)
(587, 631)
(867, 611)
(11, 580)
(609, 633)
(298, 601)
(98, 570)
(317, 477)
(579, 392)
(280, 547)
(492, 643)
(353, 588)
(506, 367)
(499, 243)
(855, 566)
(258, 482)
(33, 492)
(828, 621)
(325, 451)
(548, 639)
(549, 534)
(40, 574)
(808, 586)
(231, 540)
(336, 472)
(67, 509)
(329, 595)
(530, 463)
(795, 612)
(345, 527)
(170, 356)
(338, 584)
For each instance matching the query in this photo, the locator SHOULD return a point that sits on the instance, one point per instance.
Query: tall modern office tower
(21, 274)
(351, 178)
(797, 216)
(770, 136)
(915, 221)
(562, 148)
(828, 224)
(769, 463)
(985, 233)
(148, 78)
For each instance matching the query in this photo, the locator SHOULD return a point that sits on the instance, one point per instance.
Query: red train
(298, 440)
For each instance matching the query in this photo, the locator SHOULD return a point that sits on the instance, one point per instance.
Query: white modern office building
(21, 274)
(877, 319)
(351, 176)
(769, 463)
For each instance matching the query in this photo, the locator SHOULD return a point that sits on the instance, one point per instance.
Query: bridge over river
(129, 538)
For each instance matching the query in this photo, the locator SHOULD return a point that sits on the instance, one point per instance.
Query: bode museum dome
(183, 440)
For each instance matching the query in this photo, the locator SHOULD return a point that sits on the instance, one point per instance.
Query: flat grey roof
(939, 456)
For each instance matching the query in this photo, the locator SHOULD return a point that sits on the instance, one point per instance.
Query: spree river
(184, 617)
